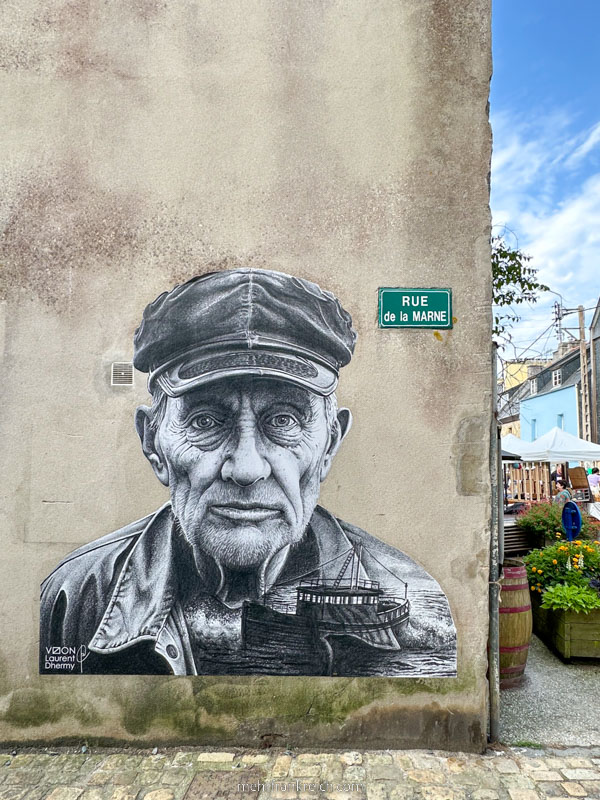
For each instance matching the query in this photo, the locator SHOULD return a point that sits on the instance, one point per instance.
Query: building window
(557, 377)
(533, 429)
(533, 386)
(560, 421)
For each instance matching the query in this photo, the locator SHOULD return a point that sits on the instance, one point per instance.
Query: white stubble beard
(247, 546)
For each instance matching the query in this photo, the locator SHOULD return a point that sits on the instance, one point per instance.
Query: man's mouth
(240, 512)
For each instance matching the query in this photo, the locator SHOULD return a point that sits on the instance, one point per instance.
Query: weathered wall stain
(471, 456)
(34, 707)
(74, 40)
(59, 224)
(194, 707)
(4, 677)
(226, 711)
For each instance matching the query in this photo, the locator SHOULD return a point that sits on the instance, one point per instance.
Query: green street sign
(415, 308)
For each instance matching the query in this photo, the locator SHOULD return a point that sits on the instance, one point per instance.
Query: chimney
(564, 348)
(533, 370)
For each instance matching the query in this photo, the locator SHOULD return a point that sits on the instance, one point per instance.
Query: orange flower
(554, 561)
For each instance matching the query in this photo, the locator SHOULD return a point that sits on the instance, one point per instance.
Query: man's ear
(336, 437)
(150, 445)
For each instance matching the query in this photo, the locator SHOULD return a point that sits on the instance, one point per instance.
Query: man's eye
(205, 422)
(282, 421)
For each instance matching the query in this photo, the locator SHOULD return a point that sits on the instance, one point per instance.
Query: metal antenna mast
(586, 427)
(558, 315)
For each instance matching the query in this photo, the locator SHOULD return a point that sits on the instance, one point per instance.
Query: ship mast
(354, 581)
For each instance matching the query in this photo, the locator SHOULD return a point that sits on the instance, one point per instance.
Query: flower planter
(568, 633)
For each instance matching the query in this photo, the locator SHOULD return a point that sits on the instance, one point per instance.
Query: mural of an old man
(242, 572)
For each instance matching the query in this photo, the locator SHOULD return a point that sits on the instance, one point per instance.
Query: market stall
(531, 479)
(523, 479)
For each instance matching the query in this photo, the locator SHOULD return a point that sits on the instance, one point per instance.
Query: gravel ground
(557, 705)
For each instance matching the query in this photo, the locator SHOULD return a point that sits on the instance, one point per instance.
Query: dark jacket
(114, 602)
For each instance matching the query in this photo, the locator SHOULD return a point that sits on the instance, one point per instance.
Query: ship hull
(295, 642)
(305, 644)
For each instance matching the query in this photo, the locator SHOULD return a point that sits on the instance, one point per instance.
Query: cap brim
(194, 371)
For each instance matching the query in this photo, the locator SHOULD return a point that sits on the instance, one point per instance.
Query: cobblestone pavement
(510, 774)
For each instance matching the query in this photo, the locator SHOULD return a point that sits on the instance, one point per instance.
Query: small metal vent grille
(121, 373)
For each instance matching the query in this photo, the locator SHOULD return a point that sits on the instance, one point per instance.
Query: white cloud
(553, 210)
(590, 142)
(565, 241)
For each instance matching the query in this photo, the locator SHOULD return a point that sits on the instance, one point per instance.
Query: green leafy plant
(565, 597)
(513, 283)
(571, 563)
(544, 520)
(541, 518)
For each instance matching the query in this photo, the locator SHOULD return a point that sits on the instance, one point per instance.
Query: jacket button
(172, 651)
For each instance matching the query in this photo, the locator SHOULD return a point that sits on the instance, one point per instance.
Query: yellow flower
(554, 561)
(578, 542)
(540, 571)
(532, 588)
(534, 569)
(540, 591)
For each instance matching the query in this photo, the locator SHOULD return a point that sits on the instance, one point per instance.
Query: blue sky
(545, 113)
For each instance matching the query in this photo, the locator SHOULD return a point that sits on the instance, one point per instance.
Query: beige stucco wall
(346, 142)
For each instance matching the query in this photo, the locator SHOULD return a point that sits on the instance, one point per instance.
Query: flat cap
(244, 321)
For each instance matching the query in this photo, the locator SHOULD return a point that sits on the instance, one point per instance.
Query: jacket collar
(145, 590)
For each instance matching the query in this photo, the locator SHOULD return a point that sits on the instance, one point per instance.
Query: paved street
(557, 704)
(513, 774)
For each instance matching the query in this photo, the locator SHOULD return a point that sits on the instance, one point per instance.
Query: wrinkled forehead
(257, 393)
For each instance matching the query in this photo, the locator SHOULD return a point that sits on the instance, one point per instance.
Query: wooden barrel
(515, 624)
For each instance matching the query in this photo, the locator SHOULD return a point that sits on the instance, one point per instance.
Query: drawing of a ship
(345, 606)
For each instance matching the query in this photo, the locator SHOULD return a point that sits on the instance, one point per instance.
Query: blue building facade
(540, 413)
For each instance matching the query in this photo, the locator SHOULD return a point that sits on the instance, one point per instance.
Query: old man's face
(244, 460)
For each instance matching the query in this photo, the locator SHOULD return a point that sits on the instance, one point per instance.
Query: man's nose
(246, 465)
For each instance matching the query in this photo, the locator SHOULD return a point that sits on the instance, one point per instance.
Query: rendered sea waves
(427, 649)
(427, 641)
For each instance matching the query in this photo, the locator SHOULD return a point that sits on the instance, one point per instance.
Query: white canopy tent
(558, 446)
(513, 444)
